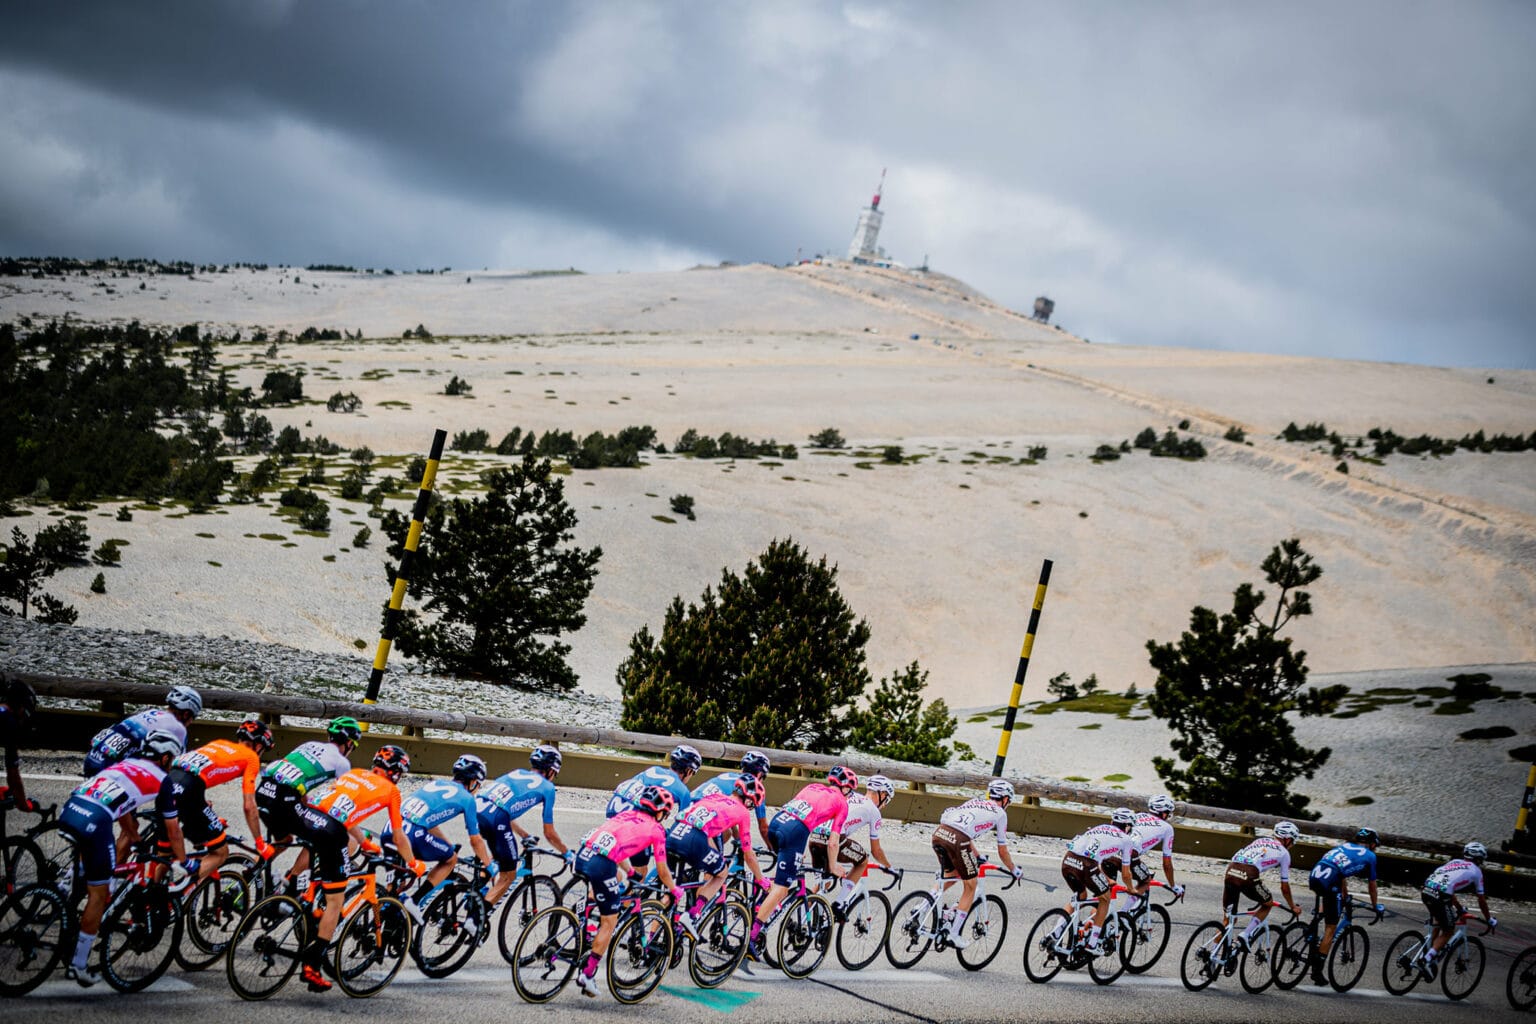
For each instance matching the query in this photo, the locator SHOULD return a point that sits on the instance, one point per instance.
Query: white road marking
(61, 988)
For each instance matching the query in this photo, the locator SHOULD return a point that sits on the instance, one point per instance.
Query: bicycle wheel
(546, 954)
(861, 935)
(1104, 968)
(138, 937)
(266, 947)
(721, 944)
(1346, 960)
(211, 914)
(58, 867)
(1462, 968)
(914, 922)
(572, 894)
(371, 946)
(1257, 968)
(527, 898)
(805, 936)
(35, 924)
(986, 926)
(1041, 961)
(1520, 986)
(449, 932)
(1291, 956)
(1149, 931)
(1203, 956)
(638, 956)
(1400, 969)
(21, 862)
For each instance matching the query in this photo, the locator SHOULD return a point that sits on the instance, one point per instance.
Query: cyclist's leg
(602, 875)
(328, 838)
(790, 837)
(496, 827)
(91, 828)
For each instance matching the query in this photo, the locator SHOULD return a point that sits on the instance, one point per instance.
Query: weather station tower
(863, 248)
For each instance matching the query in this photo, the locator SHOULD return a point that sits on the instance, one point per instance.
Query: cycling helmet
(257, 731)
(393, 760)
(844, 778)
(343, 729)
(1287, 830)
(755, 762)
(545, 757)
(656, 801)
(1000, 789)
(751, 790)
(686, 759)
(159, 744)
(879, 784)
(184, 698)
(1475, 852)
(1161, 804)
(469, 768)
(1368, 836)
(18, 696)
(1124, 817)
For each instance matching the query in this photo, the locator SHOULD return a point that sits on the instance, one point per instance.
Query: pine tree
(896, 725)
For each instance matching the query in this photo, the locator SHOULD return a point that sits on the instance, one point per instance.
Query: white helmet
(1161, 804)
(1475, 852)
(158, 744)
(1287, 830)
(1123, 816)
(184, 698)
(880, 784)
(1000, 789)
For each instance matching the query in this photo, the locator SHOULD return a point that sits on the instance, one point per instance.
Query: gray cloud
(1339, 179)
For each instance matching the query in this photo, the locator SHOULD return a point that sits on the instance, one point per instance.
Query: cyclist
(183, 801)
(1330, 881)
(1089, 862)
(122, 740)
(113, 794)
(754, 763)
(1439, 896)
(1242, 877)
(863, 813)
(439, 802)
(696, 836)
(330, 821)
(954, 844)
(286, 784)
(509, 797)
(1153, 829)
(685, 760)
(611, 848)
(791, 829)
(17, 706)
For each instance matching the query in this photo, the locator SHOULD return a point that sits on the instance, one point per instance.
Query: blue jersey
(725, 785)
(628, 792)
(439, 801)
(126, 738)
(517, 792)
(1345, 861)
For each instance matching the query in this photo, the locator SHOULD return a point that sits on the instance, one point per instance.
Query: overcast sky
(1347, 179)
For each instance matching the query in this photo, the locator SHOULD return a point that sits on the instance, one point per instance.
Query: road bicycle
(1520, 986)
(1151, 926)
(1346, 957)
(554, 944)
(1459, 963)
(23, 860)
(1059, 941)
(455, 920)
(921, 922)
(1216, 950)
(798, 933)
(864, 920)
(532, 892)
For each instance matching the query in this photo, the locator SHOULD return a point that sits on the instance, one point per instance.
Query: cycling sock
(958, 923)
(1252, 929)
(590, 967)
(698, 905)
(757, 929)
(1430, 954)
(1095, 935)
(83, 946)
(1061, 926)
(846, 891)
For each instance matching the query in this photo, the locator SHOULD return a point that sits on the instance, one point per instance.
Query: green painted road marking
(725, 1002)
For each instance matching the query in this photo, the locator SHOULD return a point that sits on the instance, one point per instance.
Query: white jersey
(1104, 842)
(1264, 854)
(1454, 876)
(1151, 831)
(975, 817)
(862, 813)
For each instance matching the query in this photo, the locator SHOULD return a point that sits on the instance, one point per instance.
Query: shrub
(1146, 439)
(1472, 686)
(340, 402)
(789, 452)
(1062, 688)
(1236, 434)
(361, 537)
(682, 504)
(280, 387)
(892, 453)
(509, 442)
(316, 517)
(298, 497)
(828, 438)
(64, 543)
(457, 386)
(107, 553)
(99, 584)
(1183, 424)
(470, 441)
(124, 514)
(1038, 453)
(896, 725)
(1106, 453)
(351, 485)
(50, 609)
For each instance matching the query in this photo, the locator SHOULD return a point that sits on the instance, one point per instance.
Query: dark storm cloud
(1341, 179)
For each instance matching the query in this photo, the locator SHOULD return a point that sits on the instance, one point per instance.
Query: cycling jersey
(818, 803)
(627, 795)
(516, 793)
(725, 784)
(974, 817)
(862, 814)
(1104, 843)
(716, 814)
(1344, 861)
(126, 738)
(439, 801)
(360, 794)
(111, 794)
(626, 834)
(1150, 832)
(220, 761)
(1454, 876)
(1264, 854)
(310, 765)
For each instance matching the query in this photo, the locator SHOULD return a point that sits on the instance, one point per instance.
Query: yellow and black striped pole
(1018, 675)
(403, 573)
(1520, 842)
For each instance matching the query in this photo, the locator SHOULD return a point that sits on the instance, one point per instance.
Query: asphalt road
(937, 989)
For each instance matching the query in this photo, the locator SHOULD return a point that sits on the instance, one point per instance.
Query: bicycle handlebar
(898, 875)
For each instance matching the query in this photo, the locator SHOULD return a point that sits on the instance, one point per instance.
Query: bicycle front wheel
(804, 936)
(34, 924)
(1041, 960)
(371, 946)
(722, 942)
(861, 936)
(138, 938)
(546, 954)
(1257, 968)
(639, 954)
(1520, 986)
(914, 922)
(1203, 956)
(1346, 960)
(1149, 932)
(1462, 968)
(22, 862)
(266, 947)
(1291, 956)
(986, 926)
(1400, 969)
(213, 912)
(1105, 967)
(528, 897)
(450, 930)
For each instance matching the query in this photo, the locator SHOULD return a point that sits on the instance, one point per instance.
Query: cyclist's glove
(264, 849)
(1493, 923)
(1178, 891)
(1381, 908)
(570, 856)
(677, 896)
(416, 867)
(1018, 873)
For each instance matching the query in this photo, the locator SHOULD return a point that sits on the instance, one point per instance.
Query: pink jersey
(717, 813)
(626, 834)
(819, 803)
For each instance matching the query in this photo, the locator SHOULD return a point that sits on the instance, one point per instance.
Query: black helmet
(544, 757)
(755, 762)
(393, 760)
(685, 759)
(18, 696)
(1368, 837)
(469, 768)
(257, 731)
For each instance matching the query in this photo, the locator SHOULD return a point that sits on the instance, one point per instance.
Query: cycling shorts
(184, 796)
(1330, 898)
(1084, 874)
(327, 839)
(1242, 881)
(496, 827)
(693, 846)
(279, 805)
(1140, 873)
(1442, 907)
(788, 838)
(424, 844)
(956, 852)
(849, 852)
(602, 875)
(90, 826)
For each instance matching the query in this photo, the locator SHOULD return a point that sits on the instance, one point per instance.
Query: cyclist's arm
(1374, 899)
(877, 852)
(174, 836)
(549, 825)
(1128, 880)
(833, 842)
(1006, 857)
(482, 851)
(1482, 903)
(1168, 868)
(248, 798)
(13, 777)
(1290, 901)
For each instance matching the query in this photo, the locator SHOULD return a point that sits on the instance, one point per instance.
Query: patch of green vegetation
(328, 558)
(216, 565)
(1117, 704)
(1492, 732)
(1077, 778)
(207, 535)
(1117, 777)
(863, 465)
(1360, 801)
(1526, 753)
(361, 645)
(977, 718)
(274, 536)
(664, 519)
(393, 403)
(1092, 725)
(1454, 707)
(290, 544)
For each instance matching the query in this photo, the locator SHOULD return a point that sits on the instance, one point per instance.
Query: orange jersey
(221, 761)
(359, 794)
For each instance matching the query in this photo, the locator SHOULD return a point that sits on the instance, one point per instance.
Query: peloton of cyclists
(695, 839)
(124, 739)
(1439, 895)
(437, 803)
(183, 799)
(954, 844)
(287, 784)
(754, 763)
(685, 761)
(789, 832)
